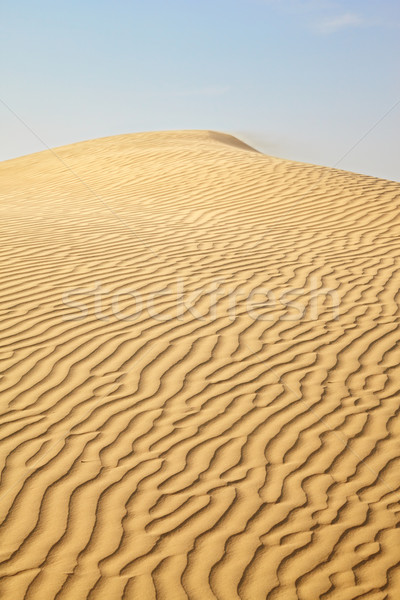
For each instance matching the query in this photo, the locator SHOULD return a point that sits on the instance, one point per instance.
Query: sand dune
(200, 389)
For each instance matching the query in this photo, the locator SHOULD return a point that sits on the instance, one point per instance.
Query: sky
(310, 80)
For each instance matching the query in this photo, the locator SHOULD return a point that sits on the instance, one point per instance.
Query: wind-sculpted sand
(200, 389)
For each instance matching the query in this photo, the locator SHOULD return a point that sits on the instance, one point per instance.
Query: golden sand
(200, 389)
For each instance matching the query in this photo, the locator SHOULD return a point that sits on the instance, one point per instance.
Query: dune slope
(200, 375)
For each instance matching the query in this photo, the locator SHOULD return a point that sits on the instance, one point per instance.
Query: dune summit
(200, 389)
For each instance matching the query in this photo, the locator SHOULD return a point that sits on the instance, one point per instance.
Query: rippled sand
(200, 390)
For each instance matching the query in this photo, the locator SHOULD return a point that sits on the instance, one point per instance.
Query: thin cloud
(329, 16)
(177, 93)
(337, 23)
(300, 6)
(206, 91)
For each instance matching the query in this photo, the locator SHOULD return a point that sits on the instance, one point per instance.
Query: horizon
(222, 133)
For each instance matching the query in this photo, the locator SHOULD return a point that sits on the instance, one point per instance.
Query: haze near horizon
(303, 80)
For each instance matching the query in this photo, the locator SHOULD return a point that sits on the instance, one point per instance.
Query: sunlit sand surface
(200, 389)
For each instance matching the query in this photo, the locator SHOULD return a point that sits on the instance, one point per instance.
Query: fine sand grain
(200, 375)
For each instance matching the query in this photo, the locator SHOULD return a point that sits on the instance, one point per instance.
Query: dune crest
(200, 389)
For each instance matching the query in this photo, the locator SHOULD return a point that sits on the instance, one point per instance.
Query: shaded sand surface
(200, 381)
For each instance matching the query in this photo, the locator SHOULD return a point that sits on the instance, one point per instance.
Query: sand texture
(200, 375)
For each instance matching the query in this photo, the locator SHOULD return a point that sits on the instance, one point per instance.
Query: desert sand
(200, 375)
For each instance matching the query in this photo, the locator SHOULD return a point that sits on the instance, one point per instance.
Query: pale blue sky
(299, 79)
